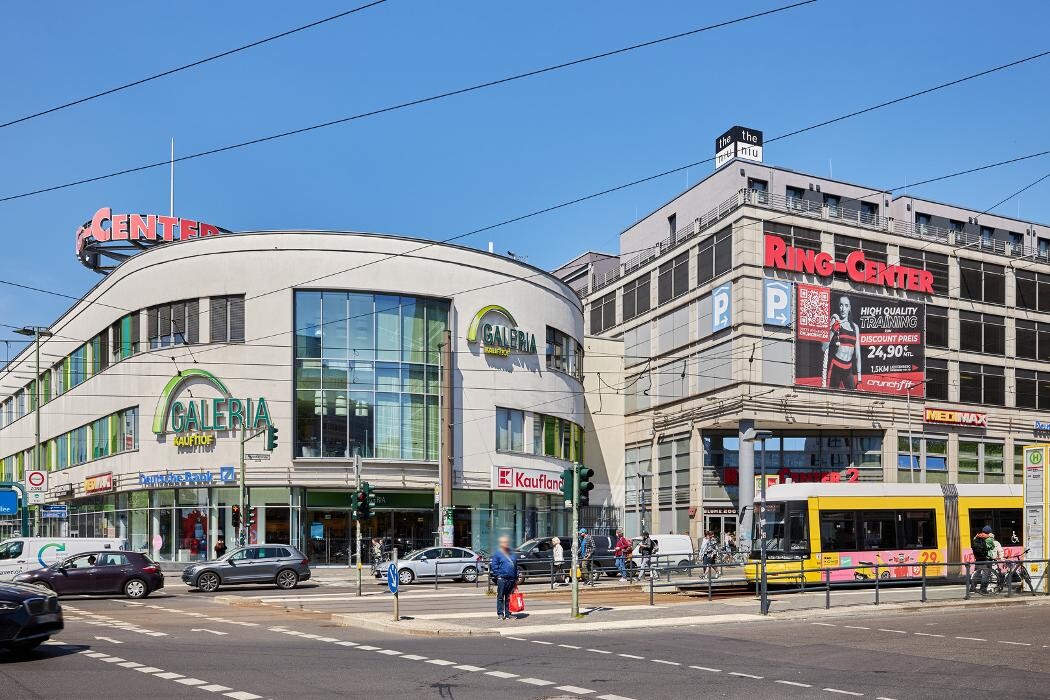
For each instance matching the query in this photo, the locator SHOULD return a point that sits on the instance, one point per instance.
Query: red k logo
(503, 477)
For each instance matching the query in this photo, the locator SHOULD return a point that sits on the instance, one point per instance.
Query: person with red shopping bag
(504, 570)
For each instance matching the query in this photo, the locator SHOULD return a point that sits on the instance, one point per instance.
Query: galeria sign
(223, 412)
(781, 256)
(500, 338)
(106, 226)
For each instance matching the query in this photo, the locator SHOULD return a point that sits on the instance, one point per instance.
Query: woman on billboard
(842, 350)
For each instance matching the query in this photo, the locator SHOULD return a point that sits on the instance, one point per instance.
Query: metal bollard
(710, 592)
(552, 574)
(436, 559)
(1010, 580)
(827, 589)
(651, 588)
(802, 573)
(876, 581)
(967, 568)
(923, 599)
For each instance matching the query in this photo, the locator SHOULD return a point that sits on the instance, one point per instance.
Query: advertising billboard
(859, 343)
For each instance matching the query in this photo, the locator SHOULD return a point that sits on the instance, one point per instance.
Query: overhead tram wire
(415, 102)
(187, 66)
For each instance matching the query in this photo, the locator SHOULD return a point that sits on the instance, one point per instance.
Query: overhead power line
(187, 66)
(413, 103)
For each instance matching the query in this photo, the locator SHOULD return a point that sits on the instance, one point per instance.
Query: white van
(673, 550)
(20, 554)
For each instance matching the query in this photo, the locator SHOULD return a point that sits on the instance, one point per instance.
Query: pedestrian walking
(504, 570)
(647, 547)
(982, 561)
(708, 547)
(586, 556)
(558, 554)
(620, 551)
(220, 546)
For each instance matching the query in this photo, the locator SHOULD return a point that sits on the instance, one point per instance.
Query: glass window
(918, 529)
(510, 430)
(936, 326)
(673, 278)
(335, 336)
(636, 297)
(878, 530)
(307, 324)
(413, 330)
(937, 379)
(838, 531)
(603, 313)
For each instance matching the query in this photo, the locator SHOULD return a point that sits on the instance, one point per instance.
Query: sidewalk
(466, 611)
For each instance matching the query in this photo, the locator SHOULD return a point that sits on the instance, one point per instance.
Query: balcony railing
(864, 218)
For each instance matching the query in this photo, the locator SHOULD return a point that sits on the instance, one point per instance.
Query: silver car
(279, 564)
(454, 563)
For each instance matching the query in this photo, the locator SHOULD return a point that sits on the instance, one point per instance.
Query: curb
(378, 622)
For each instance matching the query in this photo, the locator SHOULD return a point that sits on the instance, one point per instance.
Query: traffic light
(236, 518)
(271, 438)
(251, 518)
(358, 505)
(369, 501)
(566, 486)
(585, 485)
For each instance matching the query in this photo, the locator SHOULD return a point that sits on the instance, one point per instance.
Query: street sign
(36, 481)
(257, 457)
(54, 512)
(391, 578)
(35, 497)
(8, 502)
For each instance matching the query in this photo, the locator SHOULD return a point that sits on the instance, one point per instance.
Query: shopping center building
(453, 373)
(878, 337)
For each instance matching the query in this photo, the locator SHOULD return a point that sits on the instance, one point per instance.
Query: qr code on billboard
(814, 308)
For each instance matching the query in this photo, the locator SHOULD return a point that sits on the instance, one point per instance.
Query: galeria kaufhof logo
(500, 338)
(224, 412)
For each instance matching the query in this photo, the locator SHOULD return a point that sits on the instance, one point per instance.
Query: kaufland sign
(527, 480)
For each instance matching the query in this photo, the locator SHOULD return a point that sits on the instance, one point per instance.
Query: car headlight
(7, 606)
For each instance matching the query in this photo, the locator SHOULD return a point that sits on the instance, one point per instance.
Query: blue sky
(444, 168)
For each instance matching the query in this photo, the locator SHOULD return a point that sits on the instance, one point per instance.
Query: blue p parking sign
(391, 578)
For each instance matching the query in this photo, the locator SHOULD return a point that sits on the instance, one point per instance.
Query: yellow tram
(885, 530)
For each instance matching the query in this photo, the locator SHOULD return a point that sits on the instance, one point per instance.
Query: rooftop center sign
(117, 236)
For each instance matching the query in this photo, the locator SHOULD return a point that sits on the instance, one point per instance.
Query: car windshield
(528, 546)
(10, 549)
(421, 554)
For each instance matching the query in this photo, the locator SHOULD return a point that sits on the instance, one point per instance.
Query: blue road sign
(391, 578)
(721, 307)
(8, 502)
(227, 475)
(777, 303)
(55, 512)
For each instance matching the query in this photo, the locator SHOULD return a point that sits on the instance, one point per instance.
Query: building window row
(551, 436)
(175, 323)
(603, 313)
(106, 436)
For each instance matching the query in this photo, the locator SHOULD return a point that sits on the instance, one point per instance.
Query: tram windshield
(786, 531)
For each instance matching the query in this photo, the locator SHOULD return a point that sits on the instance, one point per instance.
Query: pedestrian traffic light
(271, 438)
(236, 518)
(566, 486)
(251, 518)
(584, 484)
(369, 501)
(358, 505)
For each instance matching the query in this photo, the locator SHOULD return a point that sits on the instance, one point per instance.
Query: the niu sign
(525, 479)
(223, 412)
(498, 332)
(781, 256)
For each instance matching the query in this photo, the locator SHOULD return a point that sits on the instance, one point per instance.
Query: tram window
(918, 529)
(979, 519)
(878, 530)
(1008, 530)
(838, 531)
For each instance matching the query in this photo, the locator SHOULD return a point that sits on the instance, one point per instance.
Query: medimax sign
(193, 419)
(105, 226)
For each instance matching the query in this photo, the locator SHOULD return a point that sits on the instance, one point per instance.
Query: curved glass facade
(366, 375)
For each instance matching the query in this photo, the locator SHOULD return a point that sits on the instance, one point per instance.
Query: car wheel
(208, 582)
(470, 574)
(287, 579)
(405, 576)
(136, 588)
(522, 577)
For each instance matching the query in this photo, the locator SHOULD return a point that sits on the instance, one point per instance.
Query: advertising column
(1035, 501)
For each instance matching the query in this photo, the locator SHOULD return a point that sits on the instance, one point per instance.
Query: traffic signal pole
(242, 535)
(575, 543)
(357, 546)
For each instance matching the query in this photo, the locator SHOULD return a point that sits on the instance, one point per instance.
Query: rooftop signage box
(738, 142)
(781, 256)
(117, 236)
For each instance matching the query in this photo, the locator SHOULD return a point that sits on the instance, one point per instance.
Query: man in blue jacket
(504, 570)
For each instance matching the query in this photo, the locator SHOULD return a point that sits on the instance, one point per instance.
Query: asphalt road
(184, 645)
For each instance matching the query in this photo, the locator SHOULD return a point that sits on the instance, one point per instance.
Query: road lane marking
(707, 668)
(364, 647)
(517, 639)
(149, 669)
(630, 656)
(414, 657)
(926, 634)
(569, 646)
(112, 659)
(825, 624)
(797, 685)
(389, 652)
(439, 662)
(894, 631)
(537, 641)
(168, 675)
(191, 681)
(535, 681)
(95, 654)
(600, 651)
(613, 697)
(973, 639)
(745, 675)
(132, 664)
(501, 674)
(669, 663)
(213, 687)
(468, 667)
(204, 629)
(856, 627)
(241, 695)
(1020, 644)
(328, 639)
(574, 689)
(844, 692)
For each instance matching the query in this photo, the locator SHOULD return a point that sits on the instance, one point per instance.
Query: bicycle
(1017, 573)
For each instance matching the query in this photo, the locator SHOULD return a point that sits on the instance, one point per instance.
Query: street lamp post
(640, 500)
(911, 439)
(761, 436)
(36, 332)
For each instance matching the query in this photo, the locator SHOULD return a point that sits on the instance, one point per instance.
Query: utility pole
(357, 546)
(37, 332)
(242, 536)
(575, 541)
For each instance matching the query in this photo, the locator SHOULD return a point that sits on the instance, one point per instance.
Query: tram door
(721, 525)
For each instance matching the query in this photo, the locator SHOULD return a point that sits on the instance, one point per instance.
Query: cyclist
(982, 560)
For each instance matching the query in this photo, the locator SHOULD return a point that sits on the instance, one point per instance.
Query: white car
(454, 563)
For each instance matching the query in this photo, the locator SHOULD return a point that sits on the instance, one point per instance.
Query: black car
(536, 556)
(107, 572)
(29, 615)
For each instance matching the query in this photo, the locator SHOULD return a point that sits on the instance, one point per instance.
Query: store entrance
(721, 525)
(329, 536)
